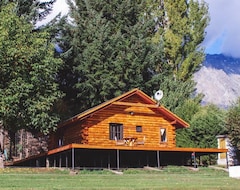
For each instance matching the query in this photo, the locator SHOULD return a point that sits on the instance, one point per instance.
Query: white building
(225, 158)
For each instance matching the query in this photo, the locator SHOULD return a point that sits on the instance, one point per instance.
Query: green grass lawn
(170, 177)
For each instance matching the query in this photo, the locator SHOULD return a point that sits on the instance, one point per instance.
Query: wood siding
(94, 129)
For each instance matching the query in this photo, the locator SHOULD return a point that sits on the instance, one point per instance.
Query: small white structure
(224, 158)
(234, 171)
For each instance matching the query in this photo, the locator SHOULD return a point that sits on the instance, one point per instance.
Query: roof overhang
(149, 102)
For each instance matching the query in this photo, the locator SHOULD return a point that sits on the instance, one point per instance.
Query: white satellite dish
(158, 95)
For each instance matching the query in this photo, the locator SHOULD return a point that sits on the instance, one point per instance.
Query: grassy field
(170, 177)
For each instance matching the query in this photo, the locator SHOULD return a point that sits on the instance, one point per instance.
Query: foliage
(176, 93)
(186, 112)
(181, 30)
(109, 50)
(206, 124)
(189, 108)
(28, 90)
(31, 10)
(233, 127)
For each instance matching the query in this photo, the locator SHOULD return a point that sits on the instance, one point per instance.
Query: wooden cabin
(132, 119)
(131, 130)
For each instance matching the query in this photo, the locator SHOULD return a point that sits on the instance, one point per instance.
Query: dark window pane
(163, 134)
(138, 128)
(115, 130)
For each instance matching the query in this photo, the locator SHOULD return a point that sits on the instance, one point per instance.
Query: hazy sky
(223, 32)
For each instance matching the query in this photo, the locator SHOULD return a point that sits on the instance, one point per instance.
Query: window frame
(139, 129)
(115, 130)
(163, 135)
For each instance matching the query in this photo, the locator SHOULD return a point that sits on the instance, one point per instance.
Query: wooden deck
(72, 147)
(141, 148)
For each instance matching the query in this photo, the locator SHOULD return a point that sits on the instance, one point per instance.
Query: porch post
(37, 163)
(227, 159)
(147, 160)
(66, 161)
(73, 158)
(194, 159)
(47, 162)
(158, 159)
(109, 166)
(60, 161)
(118, 159)
(54, 162)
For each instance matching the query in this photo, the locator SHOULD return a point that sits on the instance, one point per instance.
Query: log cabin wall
(130, 117)
(94, 130)
(76, 132)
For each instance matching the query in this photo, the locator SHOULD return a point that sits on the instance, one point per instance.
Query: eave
(149, 102)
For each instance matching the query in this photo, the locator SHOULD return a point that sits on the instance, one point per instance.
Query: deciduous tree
(233, 127)
(28, 90)
(181, 30)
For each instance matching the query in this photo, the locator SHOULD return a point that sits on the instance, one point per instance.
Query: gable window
(139, 129)
(163, 135)
(115, 130)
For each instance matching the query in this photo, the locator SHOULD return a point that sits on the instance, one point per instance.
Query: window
(115, 130)
(138, 128)
(163, 135)
(60, 142)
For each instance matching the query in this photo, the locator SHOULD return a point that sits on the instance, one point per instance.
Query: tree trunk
(20, 150)
(1, 139)
(1, 147)
(12, 145)
(26, 146)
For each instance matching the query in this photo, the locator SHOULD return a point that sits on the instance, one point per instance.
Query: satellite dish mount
(158, 96)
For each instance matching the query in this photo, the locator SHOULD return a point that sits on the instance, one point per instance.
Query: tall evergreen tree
(31, 10)
(112, 47)
(177, 92)
(110, 51)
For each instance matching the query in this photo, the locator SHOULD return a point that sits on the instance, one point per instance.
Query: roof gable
(134, 97)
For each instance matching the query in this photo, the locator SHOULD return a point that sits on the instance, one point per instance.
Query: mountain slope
(219, 80)
(228, 64)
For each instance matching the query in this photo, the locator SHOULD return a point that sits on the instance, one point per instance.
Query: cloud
(60, 6)
(224, 26)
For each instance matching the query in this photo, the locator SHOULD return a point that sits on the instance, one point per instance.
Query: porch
(81, 156)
